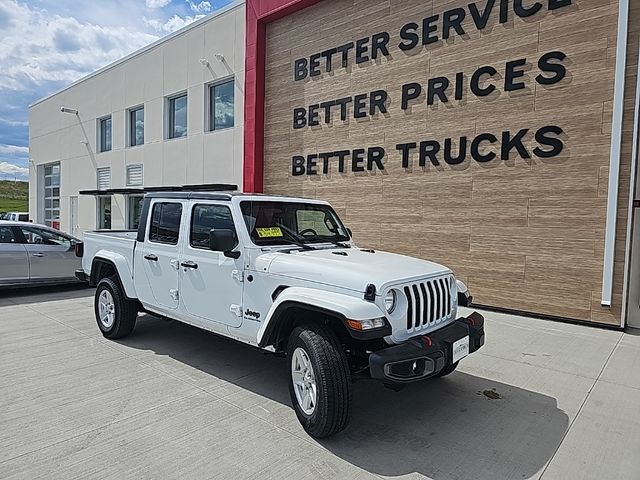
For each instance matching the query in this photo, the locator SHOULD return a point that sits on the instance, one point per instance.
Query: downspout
(635, 146)
(614, 158)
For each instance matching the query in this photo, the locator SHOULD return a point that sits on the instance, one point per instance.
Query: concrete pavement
(540, 400)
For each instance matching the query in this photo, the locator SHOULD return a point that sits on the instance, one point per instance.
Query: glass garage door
(52, 195)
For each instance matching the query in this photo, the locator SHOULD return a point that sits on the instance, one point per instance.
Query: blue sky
(47, 44)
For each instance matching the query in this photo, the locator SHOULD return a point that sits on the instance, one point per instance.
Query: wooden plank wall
(523, 234)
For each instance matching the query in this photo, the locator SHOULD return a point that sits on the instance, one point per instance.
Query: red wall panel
(259, 13)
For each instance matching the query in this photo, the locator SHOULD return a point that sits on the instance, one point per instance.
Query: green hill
(14, 196)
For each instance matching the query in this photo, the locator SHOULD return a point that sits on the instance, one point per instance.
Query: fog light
(418, 366)
(368, 324)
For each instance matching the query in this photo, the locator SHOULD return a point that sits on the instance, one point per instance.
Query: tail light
(79, 249)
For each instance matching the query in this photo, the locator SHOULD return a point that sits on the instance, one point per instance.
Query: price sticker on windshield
(269, 232)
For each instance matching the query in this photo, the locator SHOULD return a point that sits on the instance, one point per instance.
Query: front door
(211, 283)
(160, 254)
(14, 262)
(51, 255)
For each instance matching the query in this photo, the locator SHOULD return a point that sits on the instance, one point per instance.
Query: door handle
(38, 255)
(190, 264)
(151, 258)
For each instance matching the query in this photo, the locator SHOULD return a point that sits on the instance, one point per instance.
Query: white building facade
(168, 115)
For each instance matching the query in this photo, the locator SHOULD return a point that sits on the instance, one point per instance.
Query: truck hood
(350, 268)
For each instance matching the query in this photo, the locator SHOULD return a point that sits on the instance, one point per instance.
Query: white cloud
(11, 169)
(39, 46)
(157, 3)
(174, 23)
(14, 123)
(13, 150)
(202, 7)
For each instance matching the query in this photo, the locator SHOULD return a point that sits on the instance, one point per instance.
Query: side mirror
(223, 240)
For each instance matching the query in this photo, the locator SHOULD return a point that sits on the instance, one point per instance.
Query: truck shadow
(44, 293)
(463, 426)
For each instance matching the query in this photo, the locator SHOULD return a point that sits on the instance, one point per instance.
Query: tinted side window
(206, 218)
(40, 236)
(6, 235)
(165, 223)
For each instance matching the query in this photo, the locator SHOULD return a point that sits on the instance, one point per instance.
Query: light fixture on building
(219, 57)
(69, 110)
(204, 62)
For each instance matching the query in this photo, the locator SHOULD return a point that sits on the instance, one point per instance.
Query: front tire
(115, 314)
(319, 380)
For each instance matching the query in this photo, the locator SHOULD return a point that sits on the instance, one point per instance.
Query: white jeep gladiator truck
(282, 274)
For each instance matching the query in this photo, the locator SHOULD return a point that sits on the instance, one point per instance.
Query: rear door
(160, 254)
(14, 262)
(51, 254)
(211, 284)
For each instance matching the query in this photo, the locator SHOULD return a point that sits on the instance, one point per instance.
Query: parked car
(16, 217)
(36, 254)
(283, 274)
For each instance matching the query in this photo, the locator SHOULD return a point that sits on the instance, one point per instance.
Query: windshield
(284, 223)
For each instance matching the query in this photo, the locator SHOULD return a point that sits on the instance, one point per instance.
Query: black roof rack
(203, 187)
(95, 192)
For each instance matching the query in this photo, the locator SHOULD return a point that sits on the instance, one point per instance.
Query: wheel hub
(304, 381)
(106, 309)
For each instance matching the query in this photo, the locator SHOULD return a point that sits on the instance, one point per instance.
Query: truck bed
(115, 242)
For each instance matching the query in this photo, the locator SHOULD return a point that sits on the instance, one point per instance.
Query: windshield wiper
(338, 244)
(295, 238)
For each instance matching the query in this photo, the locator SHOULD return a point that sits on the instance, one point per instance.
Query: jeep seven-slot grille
(428, 302)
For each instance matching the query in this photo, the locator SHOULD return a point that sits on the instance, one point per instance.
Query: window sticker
(269, 232)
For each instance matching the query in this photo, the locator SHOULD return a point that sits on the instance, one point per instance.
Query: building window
(105, 134)
(177, 116)
(165, 223)
(52, 195)
(103, 176)
(104, 213)
(221, 107)
(134, 175)
(136, 126)
(134, 209)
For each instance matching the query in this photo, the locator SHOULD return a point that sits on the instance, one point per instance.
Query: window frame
(128, 209)
(152, 210)
(131, 126)
(99, 200)
(51, 214)
(210, 95)
(101, 140)
(170, 116)
(192, 213)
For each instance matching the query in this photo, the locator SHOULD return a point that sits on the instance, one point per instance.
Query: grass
(14, 196)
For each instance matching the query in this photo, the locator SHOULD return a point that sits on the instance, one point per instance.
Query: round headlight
(390, 301)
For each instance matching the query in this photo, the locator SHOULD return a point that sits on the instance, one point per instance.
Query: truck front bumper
(424, 356)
